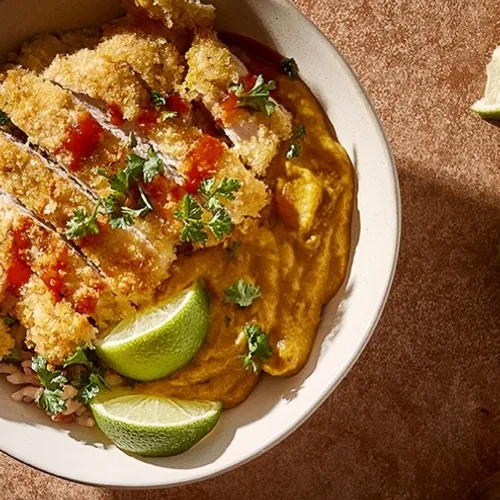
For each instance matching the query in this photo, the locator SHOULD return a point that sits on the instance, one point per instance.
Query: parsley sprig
(258, 97)
(157, 99)
(258, 347)
(91, 382)
(296, 147)
(192, 211)
(51, 398)
(82, 224)
(242, 293)
(290, 68)
(4, 118)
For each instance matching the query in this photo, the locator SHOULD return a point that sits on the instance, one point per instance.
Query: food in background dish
(175, 212)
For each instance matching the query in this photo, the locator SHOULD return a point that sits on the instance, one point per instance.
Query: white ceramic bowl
(277, 406)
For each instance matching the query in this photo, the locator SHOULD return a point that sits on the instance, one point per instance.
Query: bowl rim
(369, 331)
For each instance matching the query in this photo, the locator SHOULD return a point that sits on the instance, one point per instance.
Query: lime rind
(154, 426)
(489, 106)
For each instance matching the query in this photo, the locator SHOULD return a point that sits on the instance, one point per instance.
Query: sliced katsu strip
(38, 53)
(28, 99)
(193, 154)
(213, 72)
(179, 14)
(157, 61)
(53, 327)
(127, 262)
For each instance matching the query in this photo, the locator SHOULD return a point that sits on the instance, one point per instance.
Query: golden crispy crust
(6, 341)
(179, 14)
(156, 60)
(90, 72)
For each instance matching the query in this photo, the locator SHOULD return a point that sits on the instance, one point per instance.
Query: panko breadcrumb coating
(38, 53)
(90, 72)
(179, 14)
(212, 71)
(156, 60)
(6, 341)
(124, 258)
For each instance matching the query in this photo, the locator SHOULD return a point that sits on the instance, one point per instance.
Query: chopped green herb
(294, 151)
(168, 115)
(221, 224)
(233, 248)
(258, 347)
(289, 66)
(157, 99)
(9, 320)
(226, 189)
(190, 214)
(51, 398)
(81, 224)
(4, 119)
(152, 166)
(88, 392)
(258, 97)
(52, 401)
(78, 358)
(242, 293)
(103, 172)
(296, 147)
(300, 132)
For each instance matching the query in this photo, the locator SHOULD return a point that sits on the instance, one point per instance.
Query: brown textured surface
(418, 415)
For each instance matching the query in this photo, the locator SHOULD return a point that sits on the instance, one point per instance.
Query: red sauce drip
(177, 104)
(83, 140)
(147, 118)
(116, 114)
(202, 161)
(54, 276)
(86, 305)
(19, 271)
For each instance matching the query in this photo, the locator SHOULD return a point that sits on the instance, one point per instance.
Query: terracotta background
(418, 416)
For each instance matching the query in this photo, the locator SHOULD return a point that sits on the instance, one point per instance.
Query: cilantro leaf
(300, 132)
(9, 320)
(152, 166)
(51, 380)
(89, 391)
(226, 189)
(190, 214)
(294, 151)
(52, 401)
(78, 358)
(289, 66)
(221, 224)
(258, 347)
(242, 293)
(296, 148)
(81, 224)
(157, 99)
(258, 97)
(231, 250)
(4, 119)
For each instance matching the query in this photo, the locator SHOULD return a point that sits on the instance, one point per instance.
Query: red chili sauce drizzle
(54, 276)
(87, 305)
(202, 161)
(19, 271)
(83, 140)
(116, 115)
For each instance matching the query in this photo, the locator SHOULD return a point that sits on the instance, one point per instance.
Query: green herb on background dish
(258, 97)
(242, 293)
(81, 224)
(50, 398)
(289, 67)
(259, 348)
(232, 249)
(296, 147)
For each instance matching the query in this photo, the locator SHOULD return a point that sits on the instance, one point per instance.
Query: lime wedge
(153, 426)
(160, 339)
(489, 107)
